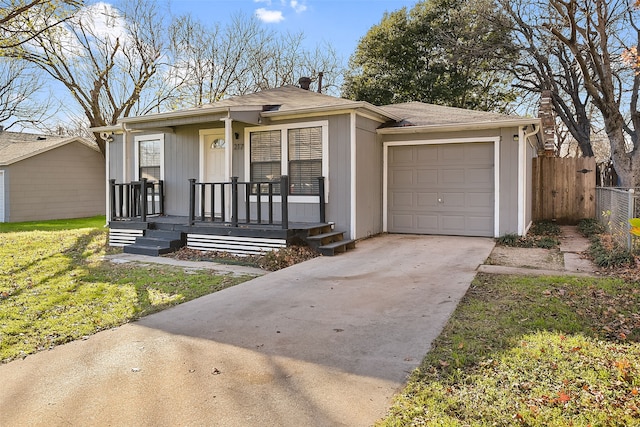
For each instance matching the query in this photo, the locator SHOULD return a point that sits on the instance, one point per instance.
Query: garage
(441, 188)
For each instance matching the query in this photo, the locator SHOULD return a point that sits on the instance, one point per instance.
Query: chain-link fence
(614, 208)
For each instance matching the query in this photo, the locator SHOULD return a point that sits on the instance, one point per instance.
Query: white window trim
(136, 153)
(496, 172)
(284, 156)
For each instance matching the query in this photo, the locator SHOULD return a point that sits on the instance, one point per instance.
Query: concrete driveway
(323, 343)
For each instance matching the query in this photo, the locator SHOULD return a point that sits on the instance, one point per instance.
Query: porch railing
(208, 202)
(136, 199)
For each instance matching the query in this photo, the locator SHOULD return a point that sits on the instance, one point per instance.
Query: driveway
(324, 343)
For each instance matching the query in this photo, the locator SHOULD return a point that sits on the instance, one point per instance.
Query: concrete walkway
(572, 245)
(323, 343)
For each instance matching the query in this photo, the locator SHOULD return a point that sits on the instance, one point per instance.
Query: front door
(214, 169)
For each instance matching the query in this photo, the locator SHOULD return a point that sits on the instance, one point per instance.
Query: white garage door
(1, 196)
(441, 189)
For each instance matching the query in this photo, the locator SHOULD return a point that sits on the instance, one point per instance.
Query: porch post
(284, 194)
(321, 199)
(228, 154)
(143, 199)
(192, 200)
(234, 201)
(112, 199)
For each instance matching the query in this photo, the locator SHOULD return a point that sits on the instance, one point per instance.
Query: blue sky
(341, 23)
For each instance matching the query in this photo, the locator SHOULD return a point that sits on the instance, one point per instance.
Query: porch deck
(164, 234)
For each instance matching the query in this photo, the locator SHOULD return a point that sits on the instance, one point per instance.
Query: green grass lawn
(55, 287)
(520, 351)
(55, 225)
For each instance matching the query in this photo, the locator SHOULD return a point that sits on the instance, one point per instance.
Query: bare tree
(22, 101)
(547, 64)
(106, 57)
(21, 20)
(215, 62)
(594, 32)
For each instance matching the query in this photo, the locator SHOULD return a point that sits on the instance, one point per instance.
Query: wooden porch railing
(136, 199)
(212, 197)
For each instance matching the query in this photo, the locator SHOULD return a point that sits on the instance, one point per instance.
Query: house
(46, 177)
(218, 171)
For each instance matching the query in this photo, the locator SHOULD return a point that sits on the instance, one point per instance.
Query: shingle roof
(16, 146)
(421, 114)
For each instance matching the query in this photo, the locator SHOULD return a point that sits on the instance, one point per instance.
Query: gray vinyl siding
(369, 179)
(115, 158)
(66, 182)
(181, 162)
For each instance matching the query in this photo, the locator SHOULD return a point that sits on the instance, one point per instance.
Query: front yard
(55, 287)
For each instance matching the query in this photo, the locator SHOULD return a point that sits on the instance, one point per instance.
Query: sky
(341, 23)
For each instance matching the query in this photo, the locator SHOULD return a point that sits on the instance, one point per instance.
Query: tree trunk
(626, 164)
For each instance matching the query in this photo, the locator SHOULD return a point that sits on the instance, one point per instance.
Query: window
(296, 150)
(305, 160)
(266, 154)
(149, 160)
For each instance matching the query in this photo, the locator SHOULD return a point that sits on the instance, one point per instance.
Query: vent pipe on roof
(320, 75)
(304, 83)
(1, 128)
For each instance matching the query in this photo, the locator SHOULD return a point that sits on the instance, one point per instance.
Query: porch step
(147, 250)
(327, 241)
(156, 242)
(337, 247)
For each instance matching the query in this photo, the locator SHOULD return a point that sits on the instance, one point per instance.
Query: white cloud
(267, 2)
(269, 16)
(298, 6)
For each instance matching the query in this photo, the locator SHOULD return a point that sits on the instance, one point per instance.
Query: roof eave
(458, 126)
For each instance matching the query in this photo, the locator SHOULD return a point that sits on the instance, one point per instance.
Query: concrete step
(337, 247)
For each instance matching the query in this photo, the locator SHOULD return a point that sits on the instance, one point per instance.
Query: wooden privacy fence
(564, 189)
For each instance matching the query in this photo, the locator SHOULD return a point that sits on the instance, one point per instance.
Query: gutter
(457, 126)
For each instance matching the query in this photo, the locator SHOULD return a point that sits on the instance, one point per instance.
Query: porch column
(228, 155)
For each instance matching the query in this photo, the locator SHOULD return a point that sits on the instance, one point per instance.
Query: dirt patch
(537, 258)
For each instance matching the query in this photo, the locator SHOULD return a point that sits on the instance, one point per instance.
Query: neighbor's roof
(418, 116)
(16, 146)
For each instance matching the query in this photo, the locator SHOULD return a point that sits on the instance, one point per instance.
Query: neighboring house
(405, 168)
(49, 177)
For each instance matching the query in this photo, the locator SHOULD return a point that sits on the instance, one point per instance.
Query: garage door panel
(426, 155)
(478, 176)
(425, 200)
(426, 176)
(451, 187)
(401, 155)
(402, 178)
(427, 223)
(478, 153)
(449, 177)
(403, 199)
(480, 200)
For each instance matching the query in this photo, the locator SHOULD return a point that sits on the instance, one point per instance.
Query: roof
(421, 117)
(290, 101)
(281, 101)
(16, 146)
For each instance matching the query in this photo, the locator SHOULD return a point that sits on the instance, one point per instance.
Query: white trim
(136, 160)
(108, 181)
(2, 197)
(353, 174)
(522, 173)
(496, 172)
(284, 156)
